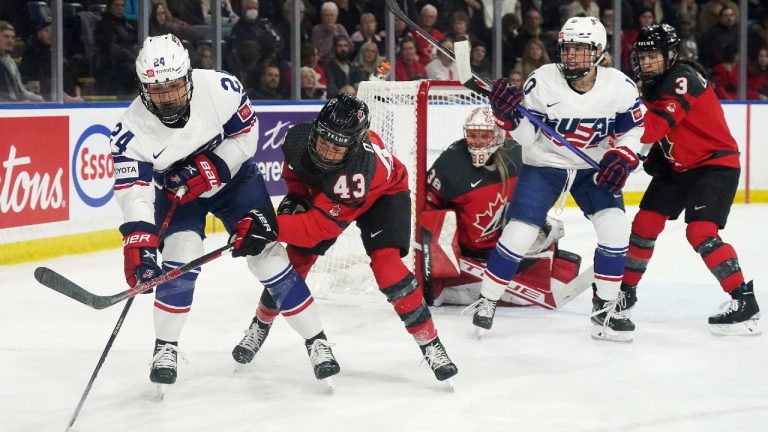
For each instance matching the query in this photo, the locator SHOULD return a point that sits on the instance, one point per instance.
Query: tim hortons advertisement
(34, 173)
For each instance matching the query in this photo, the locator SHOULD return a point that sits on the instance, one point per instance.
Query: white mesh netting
(398, 110)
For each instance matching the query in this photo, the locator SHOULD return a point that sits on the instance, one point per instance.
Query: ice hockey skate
(482, 318)
(163, 372)
(438, 361)
(254, 338)
(608, 322)
(322, 359)
(740, 316)
(626, 301)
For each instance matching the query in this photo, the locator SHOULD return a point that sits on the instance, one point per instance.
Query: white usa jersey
(609, 115)
(143, 148)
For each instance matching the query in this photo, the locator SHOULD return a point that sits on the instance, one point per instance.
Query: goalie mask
(165, 77)
(338, 132)
(654, 52)
(482, 134)
(581, 46)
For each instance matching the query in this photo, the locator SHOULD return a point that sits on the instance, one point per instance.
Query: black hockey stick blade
(61, 284)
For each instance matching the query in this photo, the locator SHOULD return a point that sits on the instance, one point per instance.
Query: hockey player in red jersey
(468, 189)
(339, 172)
(694, 163)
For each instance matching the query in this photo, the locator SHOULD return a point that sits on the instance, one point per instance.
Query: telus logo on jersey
(34, 179)
(93, 170)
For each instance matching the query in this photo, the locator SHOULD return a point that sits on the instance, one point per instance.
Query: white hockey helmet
(481, 149)
(165, 77)
(581, 30)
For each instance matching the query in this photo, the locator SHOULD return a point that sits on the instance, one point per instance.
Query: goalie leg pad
(440, 244)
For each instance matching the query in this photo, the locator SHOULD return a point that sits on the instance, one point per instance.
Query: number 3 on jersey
(345, 190)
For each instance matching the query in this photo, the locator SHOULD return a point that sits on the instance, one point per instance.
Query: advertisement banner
(34, 170)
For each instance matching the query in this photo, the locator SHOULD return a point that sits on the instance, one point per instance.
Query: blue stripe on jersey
(129, 171)
(242, 120)
(629, 119)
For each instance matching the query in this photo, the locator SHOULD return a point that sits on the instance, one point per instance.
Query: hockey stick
(474, 82)
(120, 319)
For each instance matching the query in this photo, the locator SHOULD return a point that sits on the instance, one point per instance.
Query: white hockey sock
(168, 325)
(307, 322)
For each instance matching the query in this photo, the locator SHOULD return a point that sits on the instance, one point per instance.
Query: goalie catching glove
(615, 168)
(254, 232)
(140, 252)
(204, 172)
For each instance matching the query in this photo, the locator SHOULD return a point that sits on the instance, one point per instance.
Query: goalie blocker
(548, 277)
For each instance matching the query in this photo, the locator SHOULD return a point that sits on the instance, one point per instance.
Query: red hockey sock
(646, 228)
(720, 257)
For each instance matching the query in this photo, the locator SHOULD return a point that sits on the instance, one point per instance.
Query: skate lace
(435, 356)
(728, 307)
(621, 303)
(320, 352)
(610, 311)
(165, 357)
(254, 336)
(483, 307)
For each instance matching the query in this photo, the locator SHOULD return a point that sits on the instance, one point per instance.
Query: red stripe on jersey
(171, 309)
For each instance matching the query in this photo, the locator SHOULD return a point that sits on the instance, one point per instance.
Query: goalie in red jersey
(338, 172)
(695, 167)
(468, 189)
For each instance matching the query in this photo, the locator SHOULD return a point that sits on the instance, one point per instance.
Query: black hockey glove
(656, 164)
(293, 204)
(254, 232)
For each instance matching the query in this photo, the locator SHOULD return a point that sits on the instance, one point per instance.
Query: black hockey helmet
(658, 37)
(344, 122)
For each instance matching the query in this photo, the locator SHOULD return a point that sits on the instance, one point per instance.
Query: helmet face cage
(481, 119)
(164, 73)
(343, 122)
(174, 100)
(581, 30)
(659, 38)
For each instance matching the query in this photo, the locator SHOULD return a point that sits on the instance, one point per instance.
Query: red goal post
(417, 120)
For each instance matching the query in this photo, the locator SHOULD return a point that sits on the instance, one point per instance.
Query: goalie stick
(474, 82)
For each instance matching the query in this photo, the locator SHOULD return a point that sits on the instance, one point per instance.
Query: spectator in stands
(534, 56)
(368, 58)
(724, 34)
(682, 10)
(443, 67)
(285, 31)
(323, 33)
(460, 27)
(348, 89)
(479, 60)
(408, 67)
(401, 31)
(368, 33)
(349, 14)
(203, 57)
(689, 48)
(725, 75)
(36, 64)
(510, 23)
(643, 18)
(530, 29)
(427, 20)
(11, 86)
(341, 70)
(310, 88)
(254, 42)
(606, 18)
(180, 28)
(228, 14)
(516, 79)
(711, 11)
(117, 45)
(757, 34)
(190, 11)
(269, 86)
(310, 58)
(158, 20)
(579, 8)
(757, 76)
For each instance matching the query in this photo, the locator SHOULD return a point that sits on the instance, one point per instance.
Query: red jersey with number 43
(686, 119)
(338, 197)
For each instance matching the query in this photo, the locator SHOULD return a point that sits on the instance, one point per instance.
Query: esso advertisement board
(34, 173)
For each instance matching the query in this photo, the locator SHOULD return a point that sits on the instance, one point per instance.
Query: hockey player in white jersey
(598, 110)
(195, 129)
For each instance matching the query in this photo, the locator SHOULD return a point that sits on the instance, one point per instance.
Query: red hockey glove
(140, 252)
(204, 172)
(254, 232)
(615, 167)
(293, 204)
(504, 99)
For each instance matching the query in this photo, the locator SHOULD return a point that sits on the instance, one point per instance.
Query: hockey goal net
(417, 120)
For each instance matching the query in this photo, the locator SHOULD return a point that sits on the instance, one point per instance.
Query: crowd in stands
(342, 41)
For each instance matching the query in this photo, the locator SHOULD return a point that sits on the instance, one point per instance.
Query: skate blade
(449, 385)
(239, 368)
(329, 382)
(480, 332)
(160, 391)
(746, 328)
(604, 333)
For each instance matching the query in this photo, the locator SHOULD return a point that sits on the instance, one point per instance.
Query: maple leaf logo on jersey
(491, 220)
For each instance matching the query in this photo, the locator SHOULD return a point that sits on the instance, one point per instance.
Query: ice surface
(536, 370)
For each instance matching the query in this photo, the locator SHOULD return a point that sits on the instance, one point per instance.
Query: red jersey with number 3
(338, 197)
(686, 119)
